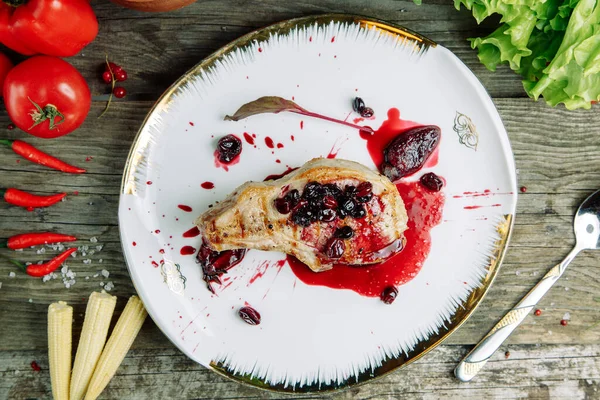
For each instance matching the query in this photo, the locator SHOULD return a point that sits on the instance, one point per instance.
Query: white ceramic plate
(313, 337)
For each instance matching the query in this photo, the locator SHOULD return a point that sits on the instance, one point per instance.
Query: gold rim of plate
(463, 312)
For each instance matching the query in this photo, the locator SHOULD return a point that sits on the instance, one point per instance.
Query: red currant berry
(119, 92)
(113, 67)
(121, 75)
(538, 312)
(106, 77)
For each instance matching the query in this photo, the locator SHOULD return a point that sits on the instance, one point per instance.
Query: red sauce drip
(154, 264)
(260, 50)
(269, 142)
(207, 185)
(187, 250)
(301, 124)
(309, 39)
(333, 39)
(390, 128)
(424, 210)
(149, 183)
(280, 145)
(134, 244)
(191, 123)
(277, 176)
(292, 137)
(249, 139)
(191, 233)
(185, 208)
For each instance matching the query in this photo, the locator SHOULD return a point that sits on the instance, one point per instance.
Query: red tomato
(5, 66)
(46, 97)
(54, 27)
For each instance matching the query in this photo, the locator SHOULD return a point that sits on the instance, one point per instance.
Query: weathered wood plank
(157, 48)
(533, 372)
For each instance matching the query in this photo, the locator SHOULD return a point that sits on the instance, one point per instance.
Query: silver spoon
(587, 236)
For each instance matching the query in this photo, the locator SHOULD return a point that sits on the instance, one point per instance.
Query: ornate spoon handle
(473, 362)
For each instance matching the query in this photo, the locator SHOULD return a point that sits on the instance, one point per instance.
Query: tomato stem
(49, 112)
(14, 3)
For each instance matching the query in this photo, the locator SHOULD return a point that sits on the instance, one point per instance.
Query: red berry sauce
(192, 232)
(424, 210)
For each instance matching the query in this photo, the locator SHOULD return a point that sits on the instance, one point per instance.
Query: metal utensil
(587, 235)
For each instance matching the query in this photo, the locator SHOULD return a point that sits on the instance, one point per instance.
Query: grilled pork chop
(326, 212)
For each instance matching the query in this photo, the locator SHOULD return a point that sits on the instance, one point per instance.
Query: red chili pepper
(33, 239)
(23, 199)
(32, 154)
(39, 270)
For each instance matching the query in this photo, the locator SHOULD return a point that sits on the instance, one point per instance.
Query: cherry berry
(229, 147)
(432, 182)
(249, 315)
(389, 294)
(335, 248)
(106, 77)
(358, 105)
(119, 92)
(367, 112)
(345, 232)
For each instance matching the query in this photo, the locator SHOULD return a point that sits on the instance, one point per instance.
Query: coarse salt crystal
(85, 247)
(96, 275)
(109, 286)
(11, 274)
(100, 261)
(567, 316)
(517, 273)
(94, 239)
(30, 300)
(99, 247)
(567, 289)
(87, 261)
(46, 278)
(105, 273)
(41, 251)
(27, 263)
(74, 255)
(64, 269)
(83, 254)
(87, 277)
(101, 283)
(91, 252)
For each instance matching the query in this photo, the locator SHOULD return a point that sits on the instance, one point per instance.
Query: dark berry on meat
(335, 248)
(350, 190)
(364, 192)
(432, 182)
(229, 147)
(332, 190)
(249, 315)
(327, 215)
(367, 112)
(313, 191)
(330, 202)
(389, 294)
(283, 205)
(409, 151)
(293, 196)
(347, 204)
(364, 189)
(358, 212)
(345, 232)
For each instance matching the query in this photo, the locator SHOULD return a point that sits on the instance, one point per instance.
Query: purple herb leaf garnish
(275, 105)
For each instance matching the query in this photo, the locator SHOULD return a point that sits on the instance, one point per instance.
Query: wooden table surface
(556, 152)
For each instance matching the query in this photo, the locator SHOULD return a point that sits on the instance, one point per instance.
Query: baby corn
(60, 323)
(118, 345)
(98, 314)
